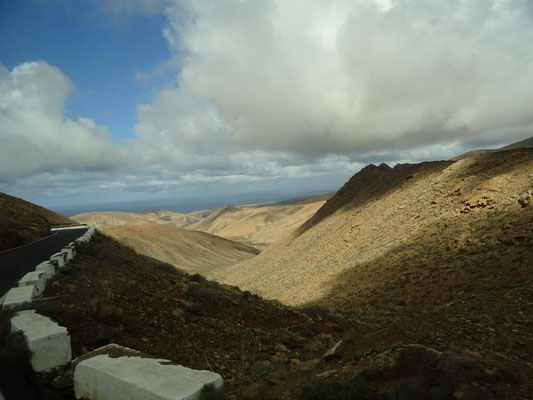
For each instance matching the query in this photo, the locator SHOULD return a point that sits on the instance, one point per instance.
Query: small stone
(281, 357)
(281, 348)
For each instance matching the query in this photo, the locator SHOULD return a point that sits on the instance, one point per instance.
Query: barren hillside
(190, 251)
(117, 218)
(412, 244)
(23, 222)
(257, 226)
(399, 340)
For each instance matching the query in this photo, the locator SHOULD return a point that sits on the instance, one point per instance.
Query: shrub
(207, 296)
(197, 278)
(209, 392)
(13, 347)
(16, 354)
(326, 315)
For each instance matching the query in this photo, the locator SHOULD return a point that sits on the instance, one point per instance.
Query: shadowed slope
(22, 222)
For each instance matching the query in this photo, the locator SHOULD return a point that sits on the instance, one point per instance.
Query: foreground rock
(18, 296)
(418, 372)
(48, 342)
(114, 370)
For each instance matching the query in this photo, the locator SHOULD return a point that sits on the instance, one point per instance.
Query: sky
(105, 101)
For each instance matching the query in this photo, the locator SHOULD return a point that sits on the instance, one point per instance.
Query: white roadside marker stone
(69, 255)
(60, 258)
(48, 342)
(37, 279)
(114, 372)
(18, 296)
(48, 269)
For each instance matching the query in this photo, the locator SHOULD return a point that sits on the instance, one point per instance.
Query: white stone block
(18, 296)
(48, 268)
(108, 375)
(37, 279)
(82, 239)
(72, 246)
(60, 258)
(48, 342)
(69, 255)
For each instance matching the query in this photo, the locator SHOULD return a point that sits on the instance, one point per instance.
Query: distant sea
(184, 205)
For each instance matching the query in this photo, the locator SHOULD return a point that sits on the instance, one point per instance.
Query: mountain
(433, 299)
(117, 218)
(526, 143)
(190, 251)
(257, 225)
(427, 251)
(22, 222)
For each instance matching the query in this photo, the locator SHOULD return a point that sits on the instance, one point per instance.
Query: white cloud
(278, 89)
(350, 77)
(35, 135)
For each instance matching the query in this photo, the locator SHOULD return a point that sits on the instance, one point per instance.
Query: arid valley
(421, 272)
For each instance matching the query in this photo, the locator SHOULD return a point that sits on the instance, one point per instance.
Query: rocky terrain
(412, 282)
(22, 222)
(190, 251)
(438, 253)
(110, 293)
(263, 349)
(257, 226)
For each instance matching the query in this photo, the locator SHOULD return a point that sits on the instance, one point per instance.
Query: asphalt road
(15, 263)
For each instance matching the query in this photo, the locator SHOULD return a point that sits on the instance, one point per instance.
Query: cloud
(276, 89)
(344, 77)
(36, 137)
